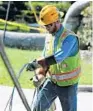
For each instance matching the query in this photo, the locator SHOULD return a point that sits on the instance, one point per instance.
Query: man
(61, 59)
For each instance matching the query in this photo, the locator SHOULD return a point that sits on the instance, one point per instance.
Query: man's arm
(68, 48)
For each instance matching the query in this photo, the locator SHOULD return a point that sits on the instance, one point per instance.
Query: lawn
(20, 57)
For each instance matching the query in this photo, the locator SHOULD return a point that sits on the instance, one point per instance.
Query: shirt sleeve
(68, 48)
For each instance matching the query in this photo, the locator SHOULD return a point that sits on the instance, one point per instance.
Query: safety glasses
(49, 25)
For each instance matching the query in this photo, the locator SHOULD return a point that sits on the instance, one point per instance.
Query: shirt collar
(59, 32)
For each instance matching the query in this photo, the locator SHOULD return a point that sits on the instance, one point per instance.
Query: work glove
(43, 62)
(32, 65)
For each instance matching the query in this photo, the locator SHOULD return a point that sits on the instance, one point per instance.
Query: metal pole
(9, 67)
(7, 14)
(12, 75)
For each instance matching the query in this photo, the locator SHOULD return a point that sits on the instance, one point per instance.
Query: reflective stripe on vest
(67, 75)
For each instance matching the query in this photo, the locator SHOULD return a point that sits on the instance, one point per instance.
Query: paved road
(85, 100)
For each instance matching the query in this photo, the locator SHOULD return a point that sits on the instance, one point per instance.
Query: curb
(85, 88)
(81, 88)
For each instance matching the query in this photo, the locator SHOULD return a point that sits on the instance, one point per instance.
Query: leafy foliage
(22, 12)
(85, 29)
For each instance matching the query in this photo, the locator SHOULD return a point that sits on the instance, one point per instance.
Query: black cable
(7, 14)
(11, 96)
(10, 69)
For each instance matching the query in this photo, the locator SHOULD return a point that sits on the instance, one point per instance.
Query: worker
(61, 59)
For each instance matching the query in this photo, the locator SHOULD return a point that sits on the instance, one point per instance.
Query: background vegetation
(19, 57)
(21, 12)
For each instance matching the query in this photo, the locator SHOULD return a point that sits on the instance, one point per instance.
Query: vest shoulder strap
(67, 32)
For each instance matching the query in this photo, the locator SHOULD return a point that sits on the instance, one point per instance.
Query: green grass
(86, 75)
(19, 57)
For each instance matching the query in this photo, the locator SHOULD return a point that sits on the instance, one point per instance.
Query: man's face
(51, 27)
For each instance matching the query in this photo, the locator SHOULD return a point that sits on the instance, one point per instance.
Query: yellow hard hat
(48, 15)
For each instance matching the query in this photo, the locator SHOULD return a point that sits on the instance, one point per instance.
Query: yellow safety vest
(68, 71)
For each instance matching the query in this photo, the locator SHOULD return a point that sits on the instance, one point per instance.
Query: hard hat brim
(41, 23)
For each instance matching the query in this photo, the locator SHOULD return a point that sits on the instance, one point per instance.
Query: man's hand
(32, 66)
(42, 62)
(38, 79)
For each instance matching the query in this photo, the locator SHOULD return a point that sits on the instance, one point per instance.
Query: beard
(53, 30)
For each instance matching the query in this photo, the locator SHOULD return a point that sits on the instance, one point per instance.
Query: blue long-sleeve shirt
(69, 47)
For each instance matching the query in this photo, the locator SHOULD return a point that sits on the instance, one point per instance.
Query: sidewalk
(85, 99)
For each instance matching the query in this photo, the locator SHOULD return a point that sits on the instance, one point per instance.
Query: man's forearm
(46, 62)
